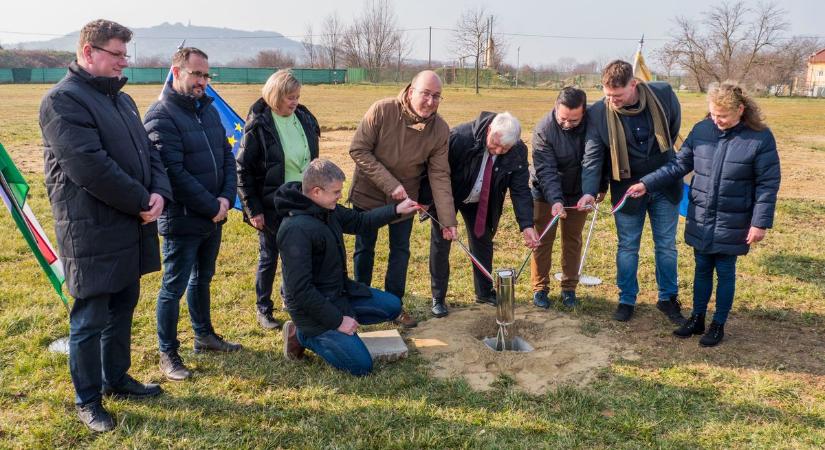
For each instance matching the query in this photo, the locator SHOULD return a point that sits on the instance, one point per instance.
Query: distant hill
(34, 58)
(223, 45)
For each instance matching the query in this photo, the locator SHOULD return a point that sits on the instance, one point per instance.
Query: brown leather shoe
(292, 348)
(405, 320)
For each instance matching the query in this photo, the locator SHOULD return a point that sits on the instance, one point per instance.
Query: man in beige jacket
(397, 142)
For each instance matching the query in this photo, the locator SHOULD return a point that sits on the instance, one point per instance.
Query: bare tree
(728, 42)
(332, 38)
(309, 45)
(373, 39)
(470, 38)
(273, 58)
(786, 64)
(152, 61)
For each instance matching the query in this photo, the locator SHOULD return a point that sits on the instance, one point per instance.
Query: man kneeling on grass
(327, 307)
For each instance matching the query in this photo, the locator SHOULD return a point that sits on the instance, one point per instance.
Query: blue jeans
(100, 339)
(267, 265)
(188, 265)
(395, 281)
(664, 217)
(345, 352)
(725, 266)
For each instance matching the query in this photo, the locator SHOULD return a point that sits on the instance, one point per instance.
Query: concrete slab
(384, 345)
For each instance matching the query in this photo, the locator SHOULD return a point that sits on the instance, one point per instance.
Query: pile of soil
(563, 352)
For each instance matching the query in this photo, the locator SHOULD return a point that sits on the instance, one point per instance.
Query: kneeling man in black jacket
(325, 305)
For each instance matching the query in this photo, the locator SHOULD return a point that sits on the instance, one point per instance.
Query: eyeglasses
(198, 73)
(117, 55)
(429, 95)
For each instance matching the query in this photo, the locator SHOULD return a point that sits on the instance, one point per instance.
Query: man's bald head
(424, 94)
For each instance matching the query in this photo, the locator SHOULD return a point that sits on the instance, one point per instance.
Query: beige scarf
(615, 131)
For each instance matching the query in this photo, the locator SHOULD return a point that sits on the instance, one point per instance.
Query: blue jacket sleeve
(594, 152)
(230, 175)
(767, 177)
(678, 167)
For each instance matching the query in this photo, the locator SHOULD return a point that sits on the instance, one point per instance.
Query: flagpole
(638, 52)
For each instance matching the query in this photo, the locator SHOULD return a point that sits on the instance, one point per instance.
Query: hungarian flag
(13, 190)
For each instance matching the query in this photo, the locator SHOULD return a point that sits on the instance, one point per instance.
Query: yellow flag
(640, 69)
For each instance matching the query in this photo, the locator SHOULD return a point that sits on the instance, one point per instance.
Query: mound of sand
(562, 353)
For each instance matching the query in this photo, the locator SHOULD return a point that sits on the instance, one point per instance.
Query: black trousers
(100, 337)
(480, 247)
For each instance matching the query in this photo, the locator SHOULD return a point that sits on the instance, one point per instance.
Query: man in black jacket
(558, 147)
(325, 305)
(107, 187)
(632, 131)
(487, 158)
(186, 129)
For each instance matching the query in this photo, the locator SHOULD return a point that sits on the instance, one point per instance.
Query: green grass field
(764, 387)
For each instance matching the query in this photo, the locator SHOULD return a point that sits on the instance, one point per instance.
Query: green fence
(156, 75)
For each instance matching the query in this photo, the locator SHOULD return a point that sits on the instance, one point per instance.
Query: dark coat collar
(186, 101)
(104, 85)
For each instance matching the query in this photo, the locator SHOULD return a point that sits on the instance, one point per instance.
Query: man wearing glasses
(558, 148)
(186, 130)
(106, 186)
(397, 141)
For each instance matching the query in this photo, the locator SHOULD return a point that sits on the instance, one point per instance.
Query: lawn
(764, 387)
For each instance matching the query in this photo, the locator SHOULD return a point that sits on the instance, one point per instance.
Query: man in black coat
(107, 186)
(632, 131)
(487, 158)
(558, 148)
(186, 130)
(325, 305)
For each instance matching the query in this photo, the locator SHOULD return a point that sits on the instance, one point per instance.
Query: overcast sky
(583, 29)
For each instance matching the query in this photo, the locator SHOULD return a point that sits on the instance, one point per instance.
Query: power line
(403, 30)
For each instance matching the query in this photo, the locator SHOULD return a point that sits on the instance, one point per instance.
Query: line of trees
(732, 40)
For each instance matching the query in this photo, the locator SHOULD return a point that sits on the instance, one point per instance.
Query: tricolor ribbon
(620, 204)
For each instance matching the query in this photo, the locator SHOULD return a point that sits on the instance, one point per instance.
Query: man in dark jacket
(327, 307)
(106, 186)
(487, 158)
(632, 130)
(186, 129)
(558, 148)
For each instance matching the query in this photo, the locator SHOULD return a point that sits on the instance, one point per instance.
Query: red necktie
(483, 197)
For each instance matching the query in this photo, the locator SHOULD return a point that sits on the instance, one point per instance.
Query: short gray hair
(507, 127)
(321, 173)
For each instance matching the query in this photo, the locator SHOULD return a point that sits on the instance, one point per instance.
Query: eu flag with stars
(232, 124)
(231, 121)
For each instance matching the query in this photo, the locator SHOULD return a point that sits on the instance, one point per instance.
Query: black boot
(714, 336)
(95, 416)
(623, 312)
(672, 309)
(694, 325)
(439, 308)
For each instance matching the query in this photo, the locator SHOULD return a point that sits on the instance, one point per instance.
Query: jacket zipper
(211, 155)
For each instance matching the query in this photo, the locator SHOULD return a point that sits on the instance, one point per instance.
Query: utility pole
(430, 51)
(518, 53)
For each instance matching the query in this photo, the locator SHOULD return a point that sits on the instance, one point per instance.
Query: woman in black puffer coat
(280, 139)
(733, 156)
